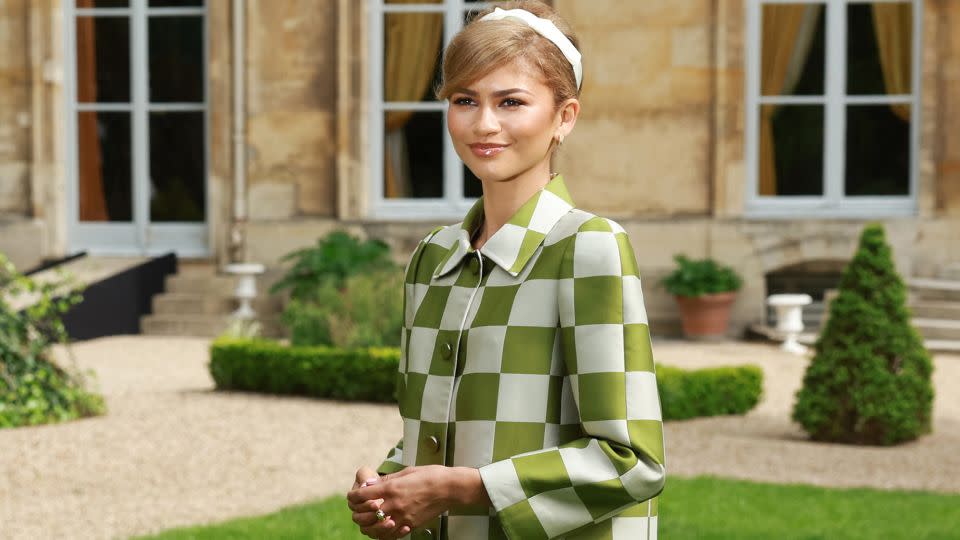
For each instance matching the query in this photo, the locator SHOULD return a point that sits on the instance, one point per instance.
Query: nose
(487, 122)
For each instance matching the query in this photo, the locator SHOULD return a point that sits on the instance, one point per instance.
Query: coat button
(474, 265)
(434, 443)
(446, 350)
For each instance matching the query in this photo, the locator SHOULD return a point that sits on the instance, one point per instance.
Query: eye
(511, 102)
(462, 101)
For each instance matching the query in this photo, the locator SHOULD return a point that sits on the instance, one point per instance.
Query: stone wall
(291, 74)
(642, 146)
(14, 110)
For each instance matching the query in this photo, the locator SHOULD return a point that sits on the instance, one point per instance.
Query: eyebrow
(498, 93)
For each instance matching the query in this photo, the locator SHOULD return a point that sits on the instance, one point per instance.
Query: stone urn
(706, 316)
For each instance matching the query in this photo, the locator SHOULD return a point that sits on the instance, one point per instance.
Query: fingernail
(370, 481)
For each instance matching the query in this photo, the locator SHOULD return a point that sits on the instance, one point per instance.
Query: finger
(366, 506)
(366, 473)
(380, 529)
(365, 519)
(398, 532)
(376, 491)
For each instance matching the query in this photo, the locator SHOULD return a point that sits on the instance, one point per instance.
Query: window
(414, 169)
(832, 105)
(137, 124)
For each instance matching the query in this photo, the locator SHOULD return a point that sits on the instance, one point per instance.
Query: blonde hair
(483, 46)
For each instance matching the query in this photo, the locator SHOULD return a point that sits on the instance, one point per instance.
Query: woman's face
(502, 125)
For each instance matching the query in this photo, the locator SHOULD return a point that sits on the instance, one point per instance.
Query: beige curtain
(787, 33)
(894, 27)
(93, 204)
(412, 43)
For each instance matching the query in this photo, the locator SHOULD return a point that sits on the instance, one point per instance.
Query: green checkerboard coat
(530, 359)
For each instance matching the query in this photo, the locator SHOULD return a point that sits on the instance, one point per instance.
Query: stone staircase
(935, 303)
(198, 301)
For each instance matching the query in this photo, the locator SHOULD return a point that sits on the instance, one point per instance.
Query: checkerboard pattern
(530, 360)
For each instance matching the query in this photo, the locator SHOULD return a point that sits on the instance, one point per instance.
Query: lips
(487, 150)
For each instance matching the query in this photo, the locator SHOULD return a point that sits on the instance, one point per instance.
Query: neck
(502, 198)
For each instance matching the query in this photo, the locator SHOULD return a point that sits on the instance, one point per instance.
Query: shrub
(708, 392)
(699, 277)
(370, 374)
(367, 374)
(335, 257)
(34, 390)
(869, 380)
(366, 311)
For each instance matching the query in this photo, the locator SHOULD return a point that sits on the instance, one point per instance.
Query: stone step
(201, 325)
(943, 345)
(934, 289)
(210, 304)
(207, 282)
(938, 328)
(220, 285)
(951, 271)
(932, 309)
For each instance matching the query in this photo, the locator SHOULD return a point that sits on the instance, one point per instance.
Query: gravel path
(173, 452)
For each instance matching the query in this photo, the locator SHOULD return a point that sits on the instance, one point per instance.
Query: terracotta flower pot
(706, 316)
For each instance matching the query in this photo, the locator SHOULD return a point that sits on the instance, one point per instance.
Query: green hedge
(369, 374)
(709, 391)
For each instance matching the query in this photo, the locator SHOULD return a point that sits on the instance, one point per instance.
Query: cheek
(457, 125)
(532, 127)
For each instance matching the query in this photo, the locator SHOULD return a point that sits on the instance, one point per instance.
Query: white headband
(547, 29)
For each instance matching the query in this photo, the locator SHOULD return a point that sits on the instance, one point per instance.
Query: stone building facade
(294, 146)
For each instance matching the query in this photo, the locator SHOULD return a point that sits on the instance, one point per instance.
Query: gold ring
(381, 516)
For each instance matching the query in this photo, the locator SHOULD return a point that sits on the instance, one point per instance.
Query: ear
(568, 114)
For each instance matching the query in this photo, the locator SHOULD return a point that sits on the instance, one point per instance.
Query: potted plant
(704, 290)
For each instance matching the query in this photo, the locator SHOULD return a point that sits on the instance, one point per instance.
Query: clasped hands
(411, 497)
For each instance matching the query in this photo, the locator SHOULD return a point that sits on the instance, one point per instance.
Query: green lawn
(703, 508)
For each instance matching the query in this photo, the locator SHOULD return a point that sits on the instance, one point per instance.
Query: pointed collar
(514, 243)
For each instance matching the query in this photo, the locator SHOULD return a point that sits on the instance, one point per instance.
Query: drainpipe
(239, 216)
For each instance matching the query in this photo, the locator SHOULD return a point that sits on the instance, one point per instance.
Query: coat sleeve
(394, 460)
(619, 459)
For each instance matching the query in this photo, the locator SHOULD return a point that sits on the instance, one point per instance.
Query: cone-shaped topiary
(869, 381)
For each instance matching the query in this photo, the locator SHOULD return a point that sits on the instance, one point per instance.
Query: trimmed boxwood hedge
(364, 374)
(709, 391)
(369, 374)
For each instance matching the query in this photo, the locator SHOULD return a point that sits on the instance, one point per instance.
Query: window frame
(140, 235)
(453, 204)
(833, 202)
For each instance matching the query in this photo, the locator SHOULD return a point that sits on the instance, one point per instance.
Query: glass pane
(413, 155)
(791, 150)
(176, 3)
(411, 55)
(472, 188)
(879, 48)
(103, 59)
(176, 59)
(177, 168)
(104, 158)
(792, 50)
(878, 150)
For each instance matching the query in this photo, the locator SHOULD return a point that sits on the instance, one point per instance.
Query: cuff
(509, 500)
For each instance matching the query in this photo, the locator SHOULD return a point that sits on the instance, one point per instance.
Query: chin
(494, 173)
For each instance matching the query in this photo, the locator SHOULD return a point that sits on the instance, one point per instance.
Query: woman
(527, 386)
